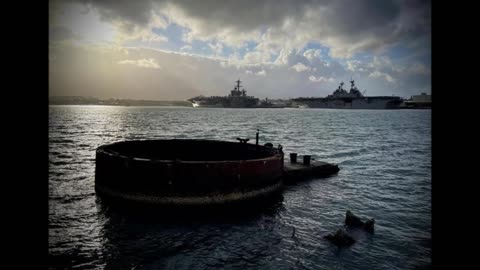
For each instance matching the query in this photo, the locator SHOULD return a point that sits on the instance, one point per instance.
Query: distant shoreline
(119, 105)
(77, 100)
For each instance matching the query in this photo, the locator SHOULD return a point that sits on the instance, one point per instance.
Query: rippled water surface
(385, 172)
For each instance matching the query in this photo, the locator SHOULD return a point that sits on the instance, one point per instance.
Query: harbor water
(385, 173)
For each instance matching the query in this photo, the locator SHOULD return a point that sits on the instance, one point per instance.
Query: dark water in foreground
(385, 173)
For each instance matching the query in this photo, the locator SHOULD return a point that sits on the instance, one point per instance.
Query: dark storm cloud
(135, 12)
(246, 15)
(241, 15)
(352, 17)
(348, 19)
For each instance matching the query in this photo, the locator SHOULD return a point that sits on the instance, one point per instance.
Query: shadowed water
(385, 173)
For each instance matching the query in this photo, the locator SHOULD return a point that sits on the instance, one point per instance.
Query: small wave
(59, 163)
(61, 141)
(349, 153)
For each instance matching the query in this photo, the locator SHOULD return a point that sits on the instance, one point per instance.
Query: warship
(236, 99)
(353, 99)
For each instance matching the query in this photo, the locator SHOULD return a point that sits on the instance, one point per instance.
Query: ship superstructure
(353, 99)
(236, 99)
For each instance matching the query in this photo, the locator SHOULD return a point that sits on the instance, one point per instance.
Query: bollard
(306, 159)
(293, 157)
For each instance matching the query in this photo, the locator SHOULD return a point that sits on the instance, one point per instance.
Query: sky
(175, 50)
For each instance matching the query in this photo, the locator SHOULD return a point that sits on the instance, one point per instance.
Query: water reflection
(140, 236)
(385, 162)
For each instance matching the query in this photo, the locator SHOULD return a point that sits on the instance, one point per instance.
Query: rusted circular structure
(187, 172)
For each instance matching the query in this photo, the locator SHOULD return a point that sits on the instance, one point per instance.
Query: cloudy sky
(174, 50)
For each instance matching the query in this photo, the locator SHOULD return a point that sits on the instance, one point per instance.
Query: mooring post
(293, 157)
(306, 160)
(256, 137)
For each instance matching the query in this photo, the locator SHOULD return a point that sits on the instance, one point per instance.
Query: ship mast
(236, 92)
(238, 84)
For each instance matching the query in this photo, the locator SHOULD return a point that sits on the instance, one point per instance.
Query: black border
(454, 139)
(25, 111)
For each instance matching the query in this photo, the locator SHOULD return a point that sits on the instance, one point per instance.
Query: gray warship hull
(237, 99)
(355, 103)
(224, 103)
(353, 99)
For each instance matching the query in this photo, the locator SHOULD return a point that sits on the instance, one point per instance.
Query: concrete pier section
(295, 171)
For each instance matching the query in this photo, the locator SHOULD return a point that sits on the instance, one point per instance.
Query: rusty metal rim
(213, 199)
(274, 157)
(102, 150)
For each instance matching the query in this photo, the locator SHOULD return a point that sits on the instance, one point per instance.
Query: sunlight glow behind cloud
(279, 46)
(146, 63)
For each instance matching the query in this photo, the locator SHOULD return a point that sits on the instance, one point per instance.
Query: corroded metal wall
(180, 181)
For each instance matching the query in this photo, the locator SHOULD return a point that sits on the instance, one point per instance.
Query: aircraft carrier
(353, 99)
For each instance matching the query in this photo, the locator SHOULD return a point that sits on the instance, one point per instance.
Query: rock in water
(352, 220)
(369, 225)
(340, 239)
